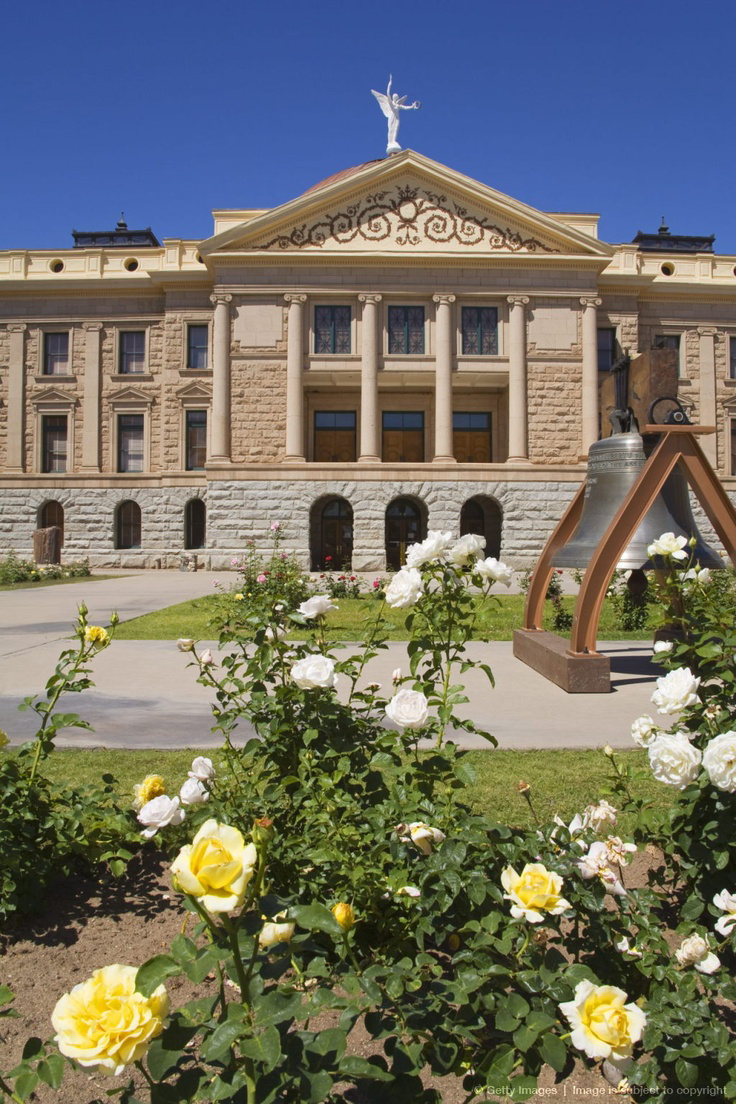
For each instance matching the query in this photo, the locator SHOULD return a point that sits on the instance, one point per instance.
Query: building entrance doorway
(332, 535)
(404, 526)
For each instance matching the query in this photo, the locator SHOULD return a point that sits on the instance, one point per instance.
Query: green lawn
(562, 782)
(30, 585)
(496, 620)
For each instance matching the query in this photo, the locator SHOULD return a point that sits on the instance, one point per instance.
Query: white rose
(202, 769)
(644, 730)
(597, 864)
(434, 547)
(405, 588)
(695, 951)
(317, 606)
(273, 634)
(159, 813)
(699, 576)
(422, 835)
(596, 816)
(668, 545)
(193, 792)
(493, 571)
(408, 891)
(206, 658)
(727, 903)
(674, 760)
(396, 675)
(185, 644)
(719, 759)
(625, 947)
(408, 709)
(272, 933)
(676, 691)
(662, 647)
(314, 672)
(468, 549)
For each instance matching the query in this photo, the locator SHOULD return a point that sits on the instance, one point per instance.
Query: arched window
(331, 534)
(483, 515)
(405, 525)
(128, 525)
(195, 523)
(52, 513)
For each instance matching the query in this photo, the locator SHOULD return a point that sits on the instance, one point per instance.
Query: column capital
(442, 297)
(290, 298)
(220, 297)
(589, 301)
(17, 327)
(92, 327)
(369, 297)
(707, 331)
(518, 300)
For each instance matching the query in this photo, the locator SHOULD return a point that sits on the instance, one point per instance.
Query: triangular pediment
(406, 205)
(130, 396)
(195, 392)
(53, 396)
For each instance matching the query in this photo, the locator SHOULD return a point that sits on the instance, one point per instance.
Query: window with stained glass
(332, 329)
(480, 331)
(405, 330)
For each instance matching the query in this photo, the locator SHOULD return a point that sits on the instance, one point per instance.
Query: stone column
(221, 378)
(16, 397)
(443, 451)
(590, 429)
(370, 447)
(91, 410)
(708, 414)
(518, 407)
(294, 381)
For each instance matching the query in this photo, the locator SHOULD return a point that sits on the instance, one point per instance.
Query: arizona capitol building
(400, 348)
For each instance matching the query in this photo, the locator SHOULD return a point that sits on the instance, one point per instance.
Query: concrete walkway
(146, 696)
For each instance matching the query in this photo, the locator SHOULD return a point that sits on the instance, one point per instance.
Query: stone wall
(554, 390)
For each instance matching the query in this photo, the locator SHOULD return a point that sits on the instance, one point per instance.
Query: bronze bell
(613, 467)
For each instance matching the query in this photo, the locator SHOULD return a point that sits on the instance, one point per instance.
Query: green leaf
(25, 1083)
(554, 1052)
(51, 1070)
(686, 1072)
(6, 995)
(317, 918)
(329, 1041)
(32, 1049)
(353, 1066)
(264, 1048)
(221, 1039)
(154, 971)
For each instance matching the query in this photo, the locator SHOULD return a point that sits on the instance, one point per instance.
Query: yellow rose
(152, 786)
(533, 892)
(216, 867)
(603, 1026)
(103, 1022)
(93, 634)
(344, 914)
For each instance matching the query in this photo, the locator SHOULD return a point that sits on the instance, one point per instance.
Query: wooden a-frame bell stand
(576, 666)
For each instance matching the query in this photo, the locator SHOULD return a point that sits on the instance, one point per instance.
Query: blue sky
(168, 109)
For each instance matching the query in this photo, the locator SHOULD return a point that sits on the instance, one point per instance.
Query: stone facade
(190, 404)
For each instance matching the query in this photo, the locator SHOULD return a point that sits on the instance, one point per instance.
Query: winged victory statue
(391, 105)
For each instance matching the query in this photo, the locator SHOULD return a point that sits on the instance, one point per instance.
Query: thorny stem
(139, 1065)
(48, 711)
(5, 1087)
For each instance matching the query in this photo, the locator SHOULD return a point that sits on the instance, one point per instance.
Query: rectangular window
(55, 354)
(334, 436)
(471, 437)
(732, 358)
(405, 330)
(196, 439)
(197, 346)
(130, 442)
(480, 331)
(403, 437)
(53, 443)
(606, 349)
(332, 329)
(132, 352)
